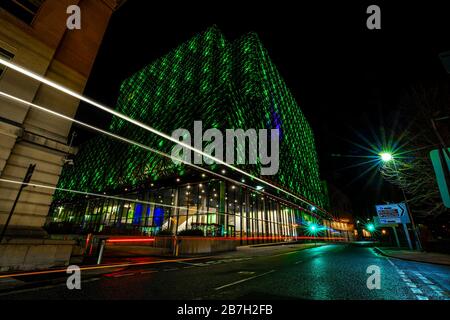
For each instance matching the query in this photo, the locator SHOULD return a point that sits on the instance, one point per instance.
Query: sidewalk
(417, 256)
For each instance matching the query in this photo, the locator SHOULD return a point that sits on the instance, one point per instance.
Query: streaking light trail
(120, 138)
(142, 125)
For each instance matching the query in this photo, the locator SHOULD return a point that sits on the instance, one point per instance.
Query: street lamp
(313, 230)
(388, 157)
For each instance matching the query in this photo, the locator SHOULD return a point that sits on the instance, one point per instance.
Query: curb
(379, 251)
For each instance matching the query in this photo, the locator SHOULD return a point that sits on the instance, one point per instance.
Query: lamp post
(388, 157)
(313, 229)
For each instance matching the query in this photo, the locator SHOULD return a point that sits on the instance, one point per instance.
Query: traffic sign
(442, 171)
(392, 213)
(378, 222)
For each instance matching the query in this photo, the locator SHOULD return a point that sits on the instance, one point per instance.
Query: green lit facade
(226, 84)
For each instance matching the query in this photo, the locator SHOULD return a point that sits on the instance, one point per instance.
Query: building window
(25, 10)
(4, 55)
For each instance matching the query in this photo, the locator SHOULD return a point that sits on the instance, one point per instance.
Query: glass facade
(217, 208)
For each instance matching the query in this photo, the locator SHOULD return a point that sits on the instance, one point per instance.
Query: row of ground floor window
(216, 208)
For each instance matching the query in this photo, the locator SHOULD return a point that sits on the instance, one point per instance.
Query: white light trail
(74, 94)
(120, 138)
(90, 193)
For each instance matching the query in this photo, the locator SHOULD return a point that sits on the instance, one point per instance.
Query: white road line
(412, 286)
(246, 272)
(123, 275)
(192, 264)
(416, 291)
(389, 260)
(438, 291)
(300, 261)
(243, 280)
(286, 253)
(171, 269)
(150, 271)
(34, 289)
(426, 281)
(52, 286)
(421, 277)
(436, 288)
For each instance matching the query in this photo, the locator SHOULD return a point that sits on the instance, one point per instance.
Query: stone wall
(33, 254)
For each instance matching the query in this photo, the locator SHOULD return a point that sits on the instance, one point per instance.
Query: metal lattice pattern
(224, 84)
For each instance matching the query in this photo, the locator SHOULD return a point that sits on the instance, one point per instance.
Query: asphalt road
(335, 271)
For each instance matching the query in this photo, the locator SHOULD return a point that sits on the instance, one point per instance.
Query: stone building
(34, 35)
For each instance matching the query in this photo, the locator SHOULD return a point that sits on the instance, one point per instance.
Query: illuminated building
(226, 85)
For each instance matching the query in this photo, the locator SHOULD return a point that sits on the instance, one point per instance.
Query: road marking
(171, 269)
(416, 291)
(300, 261)
(150, 271)
(413, 287)
(243, 280)
(421, 277)
(436, 290)
(389, 260)
(246, 272)
(192, 264)
(51, 286)
(34, 289)
(188, 267)
(118, 265)
(123, 275)
(283, 254)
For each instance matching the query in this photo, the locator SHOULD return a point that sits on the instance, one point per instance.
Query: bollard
(102, 248)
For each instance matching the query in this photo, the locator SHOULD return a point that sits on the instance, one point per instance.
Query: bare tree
(412, 170)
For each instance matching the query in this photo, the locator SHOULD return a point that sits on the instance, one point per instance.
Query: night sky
(345, 77)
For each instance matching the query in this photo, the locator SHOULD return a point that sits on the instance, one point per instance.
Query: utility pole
(413, 225)
(24, 184)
